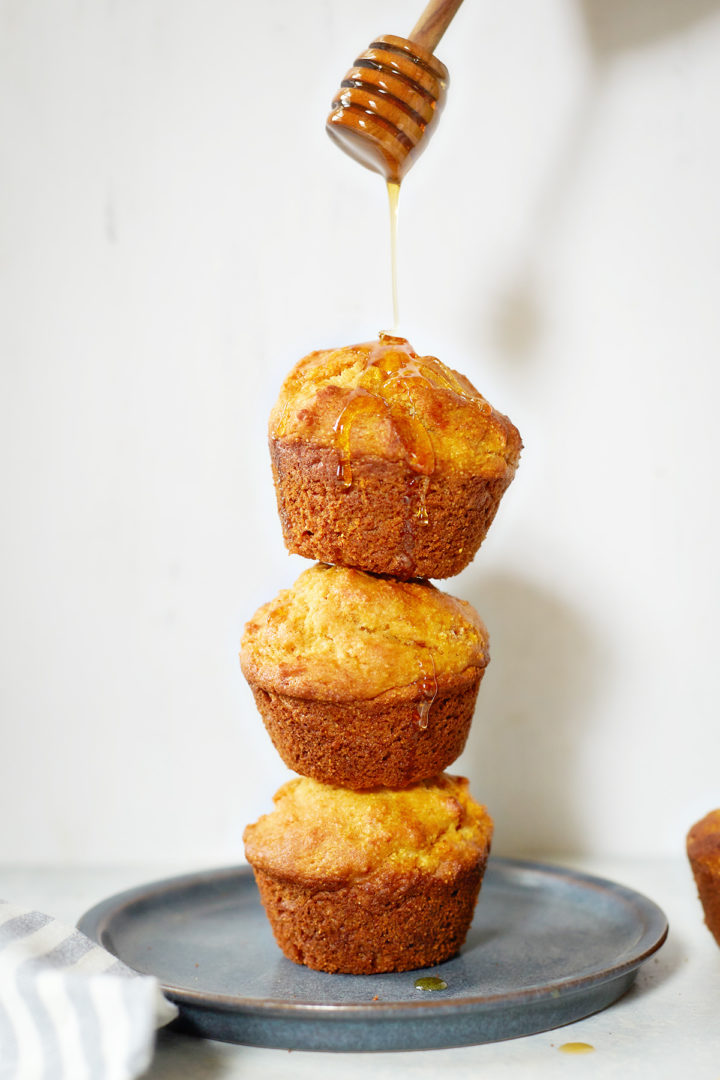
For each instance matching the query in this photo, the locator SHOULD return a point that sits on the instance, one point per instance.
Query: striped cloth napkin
(68, 1009)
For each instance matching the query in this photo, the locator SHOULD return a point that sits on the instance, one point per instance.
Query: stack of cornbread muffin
(389, 468)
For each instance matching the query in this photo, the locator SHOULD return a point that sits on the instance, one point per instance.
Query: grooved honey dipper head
(387, 105)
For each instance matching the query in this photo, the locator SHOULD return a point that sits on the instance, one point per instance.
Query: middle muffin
(364, 680)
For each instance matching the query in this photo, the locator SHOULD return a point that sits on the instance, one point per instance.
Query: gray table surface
(666, 1027)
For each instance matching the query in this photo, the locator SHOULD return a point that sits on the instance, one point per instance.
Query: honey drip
(361, 403)
(419, 486)
(393, 198)
(430, 982)
(392, 372)
(576, 1048)
(428, 687)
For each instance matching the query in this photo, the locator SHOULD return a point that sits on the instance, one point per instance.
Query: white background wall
(176, 230)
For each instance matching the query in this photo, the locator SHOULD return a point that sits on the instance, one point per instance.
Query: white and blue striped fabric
(68, 1009)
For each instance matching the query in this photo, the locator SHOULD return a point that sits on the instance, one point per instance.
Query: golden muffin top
(342, 635)
(703, 842)
(320, 833)
(380, 399)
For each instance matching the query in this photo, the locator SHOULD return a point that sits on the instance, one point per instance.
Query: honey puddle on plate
(430, 982)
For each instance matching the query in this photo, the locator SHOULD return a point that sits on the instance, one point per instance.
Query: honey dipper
(390, 99)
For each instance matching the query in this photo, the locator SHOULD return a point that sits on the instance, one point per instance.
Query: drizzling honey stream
(393, 199)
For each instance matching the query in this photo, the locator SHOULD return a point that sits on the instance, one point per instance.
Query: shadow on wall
(531, 720)
(611, 28)
(615, 25)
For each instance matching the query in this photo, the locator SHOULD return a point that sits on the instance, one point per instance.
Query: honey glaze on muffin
(382, 398)
(389, 430)
(392, 372)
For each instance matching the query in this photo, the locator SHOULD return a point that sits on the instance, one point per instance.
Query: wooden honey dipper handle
(433, 23)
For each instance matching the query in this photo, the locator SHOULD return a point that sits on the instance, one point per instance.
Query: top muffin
(387, 461)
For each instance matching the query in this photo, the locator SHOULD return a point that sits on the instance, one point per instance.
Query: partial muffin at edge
(373, 881)
(363, 680)
(387, 461)
(703, 849)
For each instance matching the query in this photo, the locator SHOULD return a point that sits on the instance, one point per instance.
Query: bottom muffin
(372, 881)
(703, 849)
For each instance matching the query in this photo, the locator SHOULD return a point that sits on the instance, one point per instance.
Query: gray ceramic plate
(547, 947)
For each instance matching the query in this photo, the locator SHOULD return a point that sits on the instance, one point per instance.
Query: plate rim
(654, 932)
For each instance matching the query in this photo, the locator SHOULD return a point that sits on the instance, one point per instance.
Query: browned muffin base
(376, 743)
(708, 887)
(703, 849)
(375, 523)
(392, 922)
